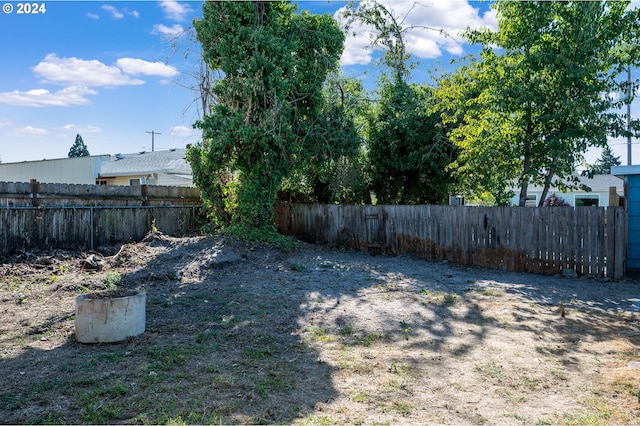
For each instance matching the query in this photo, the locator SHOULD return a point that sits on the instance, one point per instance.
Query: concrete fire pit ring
(110, 316)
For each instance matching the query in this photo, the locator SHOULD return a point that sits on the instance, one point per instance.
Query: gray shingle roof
(169, 162)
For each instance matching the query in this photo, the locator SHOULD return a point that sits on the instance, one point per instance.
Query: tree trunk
(524, 178)
(545, 190)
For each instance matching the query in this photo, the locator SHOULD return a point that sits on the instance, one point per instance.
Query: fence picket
(522, 239)
(86, 227)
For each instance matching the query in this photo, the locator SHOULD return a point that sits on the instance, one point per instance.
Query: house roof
(599, 183)
(622, 171)
(167, 162)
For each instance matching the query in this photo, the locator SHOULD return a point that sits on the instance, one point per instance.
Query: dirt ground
(237, 333)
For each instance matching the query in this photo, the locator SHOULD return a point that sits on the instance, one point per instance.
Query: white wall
(569, 197)
(79, 170)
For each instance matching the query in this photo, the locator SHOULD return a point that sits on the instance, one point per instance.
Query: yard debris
(93, 262)
(43, 261)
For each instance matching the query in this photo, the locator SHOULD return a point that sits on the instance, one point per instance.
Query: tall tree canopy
(407, 148)
(539, 97)
(78, 149)
(268, 104)
(335, 172)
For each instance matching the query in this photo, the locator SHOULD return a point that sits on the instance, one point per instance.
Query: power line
(153, 133)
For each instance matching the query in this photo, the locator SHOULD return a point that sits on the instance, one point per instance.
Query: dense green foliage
(268, 110)
(280, 118)
(78, 149)
(332, 173)
(408, 150)
(537, 100)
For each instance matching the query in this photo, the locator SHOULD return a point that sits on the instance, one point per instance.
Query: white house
(78, 170)
(169, 168)
(598, 196)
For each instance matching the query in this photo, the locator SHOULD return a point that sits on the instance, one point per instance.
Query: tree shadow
(236, 334)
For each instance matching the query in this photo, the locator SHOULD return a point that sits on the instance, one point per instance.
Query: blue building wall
(633, 217)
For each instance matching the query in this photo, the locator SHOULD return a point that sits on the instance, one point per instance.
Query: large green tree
(539, 97)
(407, 149)
(334, 173)
(78, 149)
(267, 105)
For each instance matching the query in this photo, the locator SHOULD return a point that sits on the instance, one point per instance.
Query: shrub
(555, 201)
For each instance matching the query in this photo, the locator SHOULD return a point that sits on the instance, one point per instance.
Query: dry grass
(239, 334)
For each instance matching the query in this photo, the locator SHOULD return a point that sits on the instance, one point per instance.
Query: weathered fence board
(589, 240)
(89, 227)
(23, 194)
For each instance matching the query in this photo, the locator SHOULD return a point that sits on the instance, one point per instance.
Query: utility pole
(629, 115)
(153, 133)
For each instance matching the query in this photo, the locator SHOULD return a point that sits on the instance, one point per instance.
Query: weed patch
(439, 298)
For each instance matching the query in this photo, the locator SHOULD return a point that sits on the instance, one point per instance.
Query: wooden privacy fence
(36, 194)
(90, 226)
(589, 240)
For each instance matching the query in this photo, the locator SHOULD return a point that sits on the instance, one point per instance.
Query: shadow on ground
(232, 333)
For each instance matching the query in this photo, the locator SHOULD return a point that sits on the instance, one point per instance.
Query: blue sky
(108, 70)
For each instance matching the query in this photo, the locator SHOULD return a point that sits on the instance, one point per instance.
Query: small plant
(402, 407)
(362, 396)
(111, 280)
(270, 383)
(555, 201)
(440, 298)
(370, 338)
(406, 330)
(297, 267)
(495, 292)
(491, 370)
(267, 235)
(257, 353)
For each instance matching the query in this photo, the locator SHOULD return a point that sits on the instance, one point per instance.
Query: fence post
(91, 227)
(143, 194)
(620, 242)
(35, 188)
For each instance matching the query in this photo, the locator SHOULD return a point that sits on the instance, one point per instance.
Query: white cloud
(92, 15)
(356, 48)
(173, 31)
(115, 13)
(140, 66)
(176, 11)
(181, 131)
(133, 13)
(28, 132)
(424, 40)
(79, 75)
(72, 128)
(5, 122)
(80, 72)
(73, 95)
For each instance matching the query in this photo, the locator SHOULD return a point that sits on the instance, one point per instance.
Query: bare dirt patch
(246, 334)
